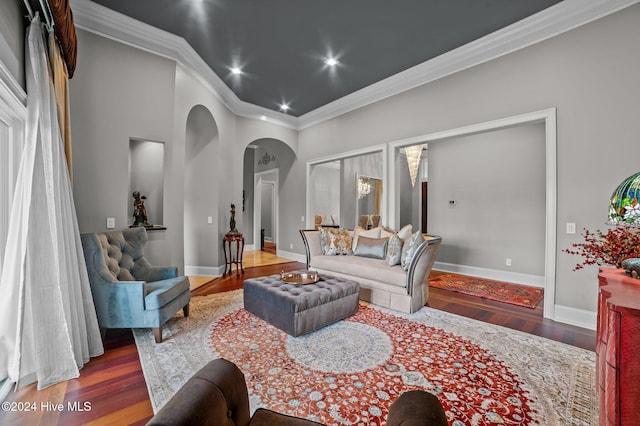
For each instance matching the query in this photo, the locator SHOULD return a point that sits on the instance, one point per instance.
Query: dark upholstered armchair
(127, 291)
(217, 395)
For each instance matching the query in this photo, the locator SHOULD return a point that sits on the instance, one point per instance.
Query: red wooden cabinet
(618, 348)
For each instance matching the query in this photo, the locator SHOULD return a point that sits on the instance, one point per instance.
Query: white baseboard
(492, 274)
(204, 271)
(217, 271)
(564, 314)
(293, 256)
(573, 316)
(249, 247)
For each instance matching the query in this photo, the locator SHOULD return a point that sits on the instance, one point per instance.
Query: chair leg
(185, 310)
(157, 333)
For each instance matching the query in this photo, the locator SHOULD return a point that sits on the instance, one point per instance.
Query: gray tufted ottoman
(299, 309)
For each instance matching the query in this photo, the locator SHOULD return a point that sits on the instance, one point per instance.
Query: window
(12, 118)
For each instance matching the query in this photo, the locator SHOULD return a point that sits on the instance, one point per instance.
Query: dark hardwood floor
(115, 391)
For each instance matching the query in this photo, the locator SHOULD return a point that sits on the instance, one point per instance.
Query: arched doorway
(267, 163)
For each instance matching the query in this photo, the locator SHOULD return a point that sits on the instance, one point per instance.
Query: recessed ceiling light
(332, 62)
(284, 106)
(236, 71)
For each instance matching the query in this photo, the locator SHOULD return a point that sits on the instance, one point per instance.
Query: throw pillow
(409, 249)
(404, 232)
(371, 247)
(335, 241)
(387, 232)
(371, 233)
(394, 250)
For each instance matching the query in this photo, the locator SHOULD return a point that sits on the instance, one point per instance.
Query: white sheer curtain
(48, 324)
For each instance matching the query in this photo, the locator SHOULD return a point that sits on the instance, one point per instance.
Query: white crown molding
(555, 20)
(11, 91)
(562, 17)
(97, 19)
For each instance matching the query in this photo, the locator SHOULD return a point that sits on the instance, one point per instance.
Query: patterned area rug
(515, 294)
(350, 372)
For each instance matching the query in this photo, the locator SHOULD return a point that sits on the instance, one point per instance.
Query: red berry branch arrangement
(607, 248)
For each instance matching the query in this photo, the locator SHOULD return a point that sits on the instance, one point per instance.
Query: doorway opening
(424, 195)
(265, 211)
(545, 123)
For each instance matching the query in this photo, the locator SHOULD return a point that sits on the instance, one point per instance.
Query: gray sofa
(380, 284)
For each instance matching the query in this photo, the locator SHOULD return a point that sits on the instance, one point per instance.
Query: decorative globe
(624, 206)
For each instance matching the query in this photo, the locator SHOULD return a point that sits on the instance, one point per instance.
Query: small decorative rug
(350, 372)
(515, 294)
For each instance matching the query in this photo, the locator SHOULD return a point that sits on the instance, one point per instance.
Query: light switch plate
(571, 228)
(111, 222)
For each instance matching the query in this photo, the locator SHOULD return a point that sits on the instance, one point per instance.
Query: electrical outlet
(508, 262)
(209, 219)
(111, 222)
(302, 219)
(571, 228)
(291, 246)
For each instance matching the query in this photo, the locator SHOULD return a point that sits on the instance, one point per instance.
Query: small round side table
(228, 243)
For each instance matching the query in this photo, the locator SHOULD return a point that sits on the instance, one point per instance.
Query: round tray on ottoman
(300, 277)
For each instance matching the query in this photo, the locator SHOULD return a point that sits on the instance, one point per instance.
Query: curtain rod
(46, 13)
(29, 10)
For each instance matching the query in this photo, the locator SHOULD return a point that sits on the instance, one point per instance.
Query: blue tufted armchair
(127, 291)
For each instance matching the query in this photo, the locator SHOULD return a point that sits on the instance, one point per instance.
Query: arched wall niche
(201, 189)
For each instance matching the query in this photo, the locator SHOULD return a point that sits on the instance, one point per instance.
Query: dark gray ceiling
(281, 45)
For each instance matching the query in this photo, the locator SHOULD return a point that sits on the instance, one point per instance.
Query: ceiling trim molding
(100, 20)
(553, 21)
(18, 97)
(562, 17)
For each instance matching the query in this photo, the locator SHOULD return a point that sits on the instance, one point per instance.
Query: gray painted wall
(118, 93)
(247, 185)
(325, 194)
(200, 189)
(590, 76)
(497, 180)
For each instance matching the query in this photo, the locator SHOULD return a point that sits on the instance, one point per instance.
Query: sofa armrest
(117, 302)
(312, 245)
(159, 273)
(421, 264)
(417, 408)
